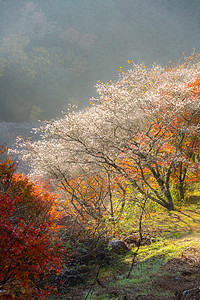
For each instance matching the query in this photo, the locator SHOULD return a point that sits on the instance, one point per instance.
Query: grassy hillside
(167, 265)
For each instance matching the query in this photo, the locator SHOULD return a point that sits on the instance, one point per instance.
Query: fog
(52, 53)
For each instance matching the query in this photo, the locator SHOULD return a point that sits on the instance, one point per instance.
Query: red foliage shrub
(29, 247)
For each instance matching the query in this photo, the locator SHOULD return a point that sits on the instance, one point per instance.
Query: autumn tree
(37, 204)
(144, 128)
(29, 245)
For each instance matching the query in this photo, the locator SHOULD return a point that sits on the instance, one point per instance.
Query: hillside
(124, 174)
(167, 266)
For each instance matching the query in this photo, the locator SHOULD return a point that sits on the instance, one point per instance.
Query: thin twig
(140, 239)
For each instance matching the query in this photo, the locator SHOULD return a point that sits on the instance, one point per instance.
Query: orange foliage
(29, 246)
(86, 195)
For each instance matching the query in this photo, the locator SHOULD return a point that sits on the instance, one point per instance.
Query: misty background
(53, 52)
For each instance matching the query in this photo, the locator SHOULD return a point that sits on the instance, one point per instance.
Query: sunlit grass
(174, 232)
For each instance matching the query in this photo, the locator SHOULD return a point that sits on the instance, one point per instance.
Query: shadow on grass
(161, 269)
(137, 285)
(157, 272)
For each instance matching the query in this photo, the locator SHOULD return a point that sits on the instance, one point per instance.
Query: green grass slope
(163, 268)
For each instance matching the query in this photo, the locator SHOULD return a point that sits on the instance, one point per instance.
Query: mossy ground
(169, 264)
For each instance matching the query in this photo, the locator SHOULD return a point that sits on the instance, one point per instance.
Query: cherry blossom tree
(143, 128)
